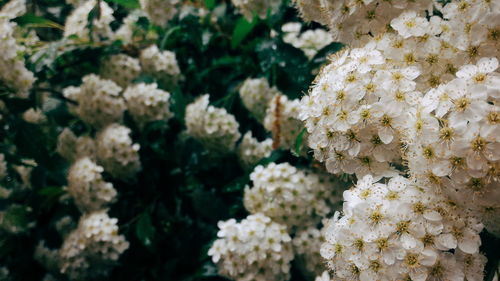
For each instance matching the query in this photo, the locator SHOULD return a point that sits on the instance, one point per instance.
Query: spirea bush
(249, 140)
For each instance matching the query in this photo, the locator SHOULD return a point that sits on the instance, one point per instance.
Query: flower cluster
(72, 147)
(161, 64)
(299, 198)
(251, 151)
(117, 153)
(282, 120)
(129, 29)
(256, 95)
(87, 187)
(13, 71)
(214, 127)
(356, 112)
(254, 249)
(95, 244)
(310, 41)
(400, 230)
(121, 69)
(78, 24)
(34, 116)
(261, 8)
(355, 22)
(160, 11)
(146, 103)
(98, 101)
(459, 149)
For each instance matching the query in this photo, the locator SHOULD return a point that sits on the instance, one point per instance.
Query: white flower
(409, 24)
(147, 103)
(120, 68)
(160, 11)
(87, 187)
(310, 41)
(398, 230)
(251, 151)
(77, 22)
(299, 198)
(95, 244)
(214, 127)
(259, 7)
(256, 95)
(161, 64)
(99, 101)
(254, 249)
(117, 153)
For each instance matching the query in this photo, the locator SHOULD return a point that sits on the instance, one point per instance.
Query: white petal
(447, 241)
(385, 135)
(487, 65)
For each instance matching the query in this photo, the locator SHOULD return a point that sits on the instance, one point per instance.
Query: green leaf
(35, 21)
(51, 191)
(238, 184)
(95, 13)
(298, 143)
(16, 219)
(144, 78)
(145, 231)
(210, 4)
(129, 4)
(241, 30)
(178, 104)
(167, 35)
(275, 156)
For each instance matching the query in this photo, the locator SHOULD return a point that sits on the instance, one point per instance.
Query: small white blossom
(214, 127)
(254, 249)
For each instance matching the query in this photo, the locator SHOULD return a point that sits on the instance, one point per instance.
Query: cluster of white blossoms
(87, 187)
(358, 109)
(309, 41)
(34, 116)
(356, 22)
(256, 95)
(129, 29)
(146, 103)
(99, 102)
(122, 69)
(160, 11)
(290, 196)
(71, 147)
(419, 92)
(13, 71)
(214, 127)
(251, 151)
(459, 147)
(306, 246)
(254, 249)
(90, 249)
(401, 231)
(117, 153)
(369, 102)
(283, 122)
(78, 24)
(260, 8)
(161, 64)
(95, 243)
